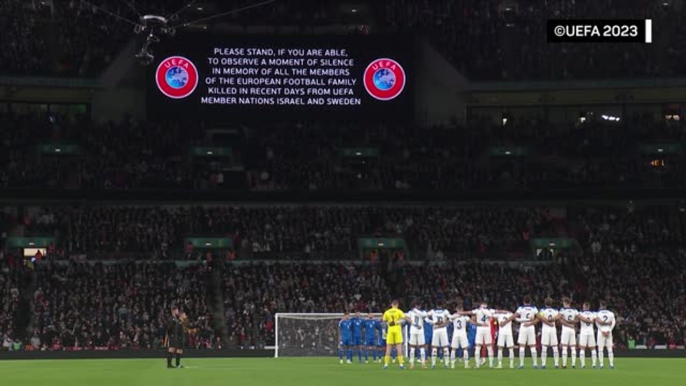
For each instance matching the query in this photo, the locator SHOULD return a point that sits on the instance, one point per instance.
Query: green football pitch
(321, 371)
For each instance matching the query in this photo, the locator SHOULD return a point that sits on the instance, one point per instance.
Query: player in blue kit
(450, 329)
(471, 337)
(357, 335)
(428, 336)
(428, 332)
(369, 325)
(345, 338)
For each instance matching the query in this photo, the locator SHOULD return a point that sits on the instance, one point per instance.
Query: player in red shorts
(494, 336)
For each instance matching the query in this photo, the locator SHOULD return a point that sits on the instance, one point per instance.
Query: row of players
(488, 326)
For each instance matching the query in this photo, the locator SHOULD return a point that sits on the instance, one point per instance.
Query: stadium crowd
(80, 38)
(303, 231)
(488, 40)
(592, 154)
(313, 232)
(295, 156)
(619, 255)
(9, 300)
(117, 306)
(648, 315)
(620, 230)
(622, 251)
(57, 38)
(496, 40)
(128, 303)
(140, 155)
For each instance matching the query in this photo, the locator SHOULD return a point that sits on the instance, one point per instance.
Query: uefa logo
(384, 79)
(176, 77)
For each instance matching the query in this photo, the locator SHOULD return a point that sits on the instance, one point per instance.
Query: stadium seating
(125, 306)
(128, 301)
(622, 252)
(494, 40)
(312, 156)
(9, 299)
(488, 40)
(309, 232)
(457, 232)
(84, 38)
(116, 262)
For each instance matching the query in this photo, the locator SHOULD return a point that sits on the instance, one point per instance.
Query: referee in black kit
(175, 339)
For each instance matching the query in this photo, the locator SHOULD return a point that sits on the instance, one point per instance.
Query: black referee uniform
(176, 334)
(176, 338)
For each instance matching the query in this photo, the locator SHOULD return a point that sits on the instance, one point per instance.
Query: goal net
(310, 334)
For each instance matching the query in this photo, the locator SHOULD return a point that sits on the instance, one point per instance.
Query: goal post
(313, 334)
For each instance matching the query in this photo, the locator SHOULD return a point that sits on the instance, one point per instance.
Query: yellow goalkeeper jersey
(393, 315)
(395, 332)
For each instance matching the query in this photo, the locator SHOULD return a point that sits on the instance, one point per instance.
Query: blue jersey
(357, 327)
(346, 332)
(370, 331)
(471, 334)
(378, 326)
(346, 328)
(428, 331)
(381, 332)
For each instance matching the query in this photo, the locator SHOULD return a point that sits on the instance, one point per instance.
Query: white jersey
(526, 313)
(606, 317)
(587, 328)
(505, 337)
(439, 317)
(483, 333)
(440, 334)
(460, 324)
(527, 334)
(605, 341)
(549, 333)
(506, 329)
(483, 316)
(417, 319)
(549, 314)
(569, 316)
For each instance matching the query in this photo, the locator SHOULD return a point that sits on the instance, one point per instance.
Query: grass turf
(321, 371)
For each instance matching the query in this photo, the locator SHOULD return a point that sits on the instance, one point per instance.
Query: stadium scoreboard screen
(223, 78)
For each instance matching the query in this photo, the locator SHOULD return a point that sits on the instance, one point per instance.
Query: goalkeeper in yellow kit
(394, 319)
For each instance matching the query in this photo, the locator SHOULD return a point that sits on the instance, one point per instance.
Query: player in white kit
(586, 337)
(548, 317)
(460, 339)
(525, 316)
(605, 321)
(483, 317)
(417, 317)
(505, 337)
(568, 320)
(440, 318)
